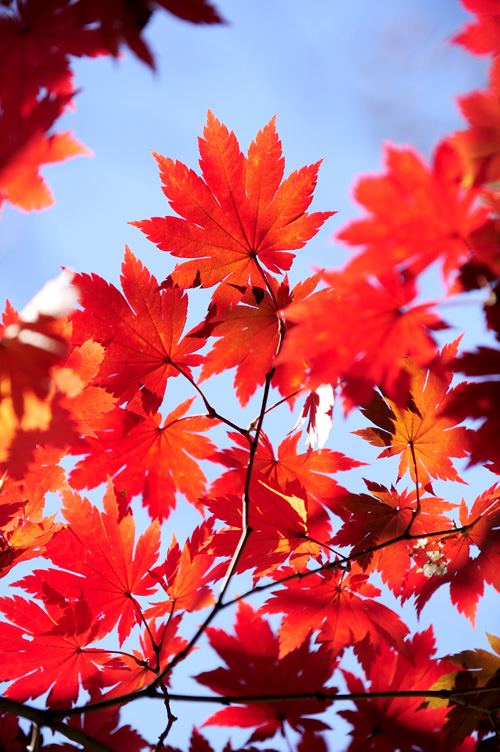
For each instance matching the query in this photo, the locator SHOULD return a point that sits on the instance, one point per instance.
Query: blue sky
(342, 77)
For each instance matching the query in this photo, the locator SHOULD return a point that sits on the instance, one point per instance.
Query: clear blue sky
(342, 78)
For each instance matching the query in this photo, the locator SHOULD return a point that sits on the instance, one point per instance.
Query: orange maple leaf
(422, 433)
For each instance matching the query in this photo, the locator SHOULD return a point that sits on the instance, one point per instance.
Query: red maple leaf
(239, 217)
(97, 551)
(311, 469)
(25, 146)
(36, 37)
(122, 21)
(398, 722)
(417, 214)
(144, 456)
(375, 330)
(341, 607)
(141, 332)
(483, 36)
(250, 337)
(183, 575)
(384, 516)
(254, 668)
(381, 518)
(46, 650)
(479, 145)
(284, 525)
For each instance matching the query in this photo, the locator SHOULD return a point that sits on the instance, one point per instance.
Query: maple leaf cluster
(105, 621)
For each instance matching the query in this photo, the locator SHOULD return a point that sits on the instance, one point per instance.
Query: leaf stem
(254, 422)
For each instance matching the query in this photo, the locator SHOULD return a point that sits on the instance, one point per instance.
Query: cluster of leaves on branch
(103, 623)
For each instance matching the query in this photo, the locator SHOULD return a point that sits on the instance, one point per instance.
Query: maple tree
(102, 618)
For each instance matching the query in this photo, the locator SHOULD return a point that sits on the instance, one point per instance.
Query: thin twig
(212, 412)
(171, 718)
(330, 696)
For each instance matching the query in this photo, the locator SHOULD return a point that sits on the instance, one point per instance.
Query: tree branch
(50, 719)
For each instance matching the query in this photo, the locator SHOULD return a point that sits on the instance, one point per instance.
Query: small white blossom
(421, 543)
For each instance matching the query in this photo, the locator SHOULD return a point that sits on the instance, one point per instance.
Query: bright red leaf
(341, 606)
(144, 456)
(418, 214)
(46, 650)
(375, 330)
(398, 723)
(311, 469)
(141, 333)
(250, 337)
(97, 557)
(238, 217)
